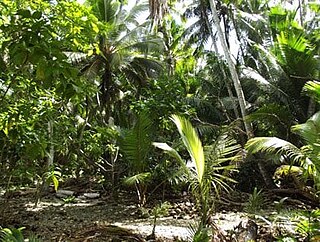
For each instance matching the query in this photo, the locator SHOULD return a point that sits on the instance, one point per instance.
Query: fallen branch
(311, 199)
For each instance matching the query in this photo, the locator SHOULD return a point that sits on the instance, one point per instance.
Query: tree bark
(237, 85)
(225, 79)
(233, 71)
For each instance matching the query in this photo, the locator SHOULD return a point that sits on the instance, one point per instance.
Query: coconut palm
(123, 54)
(232, 69)
(276, 66)
(209, 166)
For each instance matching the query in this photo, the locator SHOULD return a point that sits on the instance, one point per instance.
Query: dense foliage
(85, 90)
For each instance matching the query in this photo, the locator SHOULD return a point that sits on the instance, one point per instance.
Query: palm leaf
(313, 90)
(11, 235)
(138, 178)
(274, 118)
(105, 10)
(295, 54)
(275, 145)
(136, 12)
(192, 142)
(146, 46)
(310, 131)
(221, 159)
(169, 150)
(93, 68)
(136, 144)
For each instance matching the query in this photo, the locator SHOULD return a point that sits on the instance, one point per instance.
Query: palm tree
(286, 60)
(136, 145)
(123, 56)
(209, 166)
(234, 74)
(305, 158)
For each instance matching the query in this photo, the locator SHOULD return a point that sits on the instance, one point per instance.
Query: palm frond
(75, 57)
(262, 83)
(313, 90)
(197, 34)
(139, 70)
(146, 46)
(275, 145)
(105, 10)
(136, 179)
(273, 118)
(136, 12)
(136, 143)
(169, 150)
(183, 169)
(310, 131)
(221, 160)
(127, 35)
(192, 143)
(93, 68)
(295, 54)
(274, 69)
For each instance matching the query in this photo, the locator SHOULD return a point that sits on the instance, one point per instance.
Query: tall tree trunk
(224, 75)
(51, 148)
(237, 85)
(232, 68)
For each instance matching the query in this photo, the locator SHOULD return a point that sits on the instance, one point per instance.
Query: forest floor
(79, 218)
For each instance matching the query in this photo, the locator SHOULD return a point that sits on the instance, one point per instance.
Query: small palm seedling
(198, 235)
(255, 202)
(205, 174)
(136, 145)
(161, 209)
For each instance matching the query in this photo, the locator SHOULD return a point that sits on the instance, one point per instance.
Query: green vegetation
(96, 92)
(15, 235)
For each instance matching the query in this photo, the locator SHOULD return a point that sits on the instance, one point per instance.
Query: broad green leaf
(192, 142)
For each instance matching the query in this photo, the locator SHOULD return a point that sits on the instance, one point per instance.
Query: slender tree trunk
(237, 85)
(44, 186)
(232, 68)
(225, 79)
(51, 149)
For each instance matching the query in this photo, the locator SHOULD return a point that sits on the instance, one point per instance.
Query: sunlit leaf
(192, 142)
